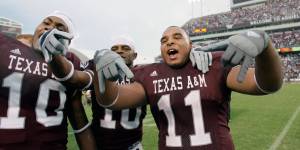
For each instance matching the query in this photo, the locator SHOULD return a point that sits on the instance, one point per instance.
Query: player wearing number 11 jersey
(190, 107)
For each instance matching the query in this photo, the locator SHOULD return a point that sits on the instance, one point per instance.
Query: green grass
(256, 121)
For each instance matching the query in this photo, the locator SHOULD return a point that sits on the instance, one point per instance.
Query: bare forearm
(268, 70)
(80, 123)
(110, 95)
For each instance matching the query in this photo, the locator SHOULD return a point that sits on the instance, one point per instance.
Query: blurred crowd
(291, 66)
(271, 12)
(286, 38)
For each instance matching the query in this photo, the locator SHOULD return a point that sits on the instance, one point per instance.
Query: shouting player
(190, 108)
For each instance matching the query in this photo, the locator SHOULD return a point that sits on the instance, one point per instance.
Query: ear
(134, 55)
(190, 45)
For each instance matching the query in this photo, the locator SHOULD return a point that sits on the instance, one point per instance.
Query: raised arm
(240, 50)
(267, 76)
(109, 66)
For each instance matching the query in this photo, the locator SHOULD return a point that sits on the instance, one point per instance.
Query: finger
(237, 58)
(114, 73)
(96, 57)
(198, 60)
(219, 46)
(62, 34)
(205, 63)
(55, 46)
(121, 65)
(101, 82)
(192, 58)
(210, 58)
(201, 62)
(228, 54)
(244, 68)
(107, 73)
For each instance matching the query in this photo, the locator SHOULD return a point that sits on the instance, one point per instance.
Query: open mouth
(172, 51)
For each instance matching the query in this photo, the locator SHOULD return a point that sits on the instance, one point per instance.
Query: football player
(120, 129)
(190, 107)
(34, 104)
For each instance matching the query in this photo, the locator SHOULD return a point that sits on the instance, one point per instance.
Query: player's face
(126, 53)
(48, 23)
(175, 47)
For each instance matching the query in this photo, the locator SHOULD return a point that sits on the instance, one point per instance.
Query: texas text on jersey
(190, 108)
(31, 101)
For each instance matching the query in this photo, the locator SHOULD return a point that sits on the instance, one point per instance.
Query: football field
(257, 122)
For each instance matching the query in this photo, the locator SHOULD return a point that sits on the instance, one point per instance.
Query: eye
(61, 27)
(45, 22)
(178, 36)
(127, 48)
(114, 48)
(163, 40)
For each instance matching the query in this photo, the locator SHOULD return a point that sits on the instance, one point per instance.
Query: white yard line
(286, 128)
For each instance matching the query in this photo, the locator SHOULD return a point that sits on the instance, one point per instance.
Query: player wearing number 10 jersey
(31, 101)
(33, 104)
(119, 129)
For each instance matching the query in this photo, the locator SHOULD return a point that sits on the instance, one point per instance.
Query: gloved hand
(201, 59)
(241, 48)
(110, 66)
(54, 42)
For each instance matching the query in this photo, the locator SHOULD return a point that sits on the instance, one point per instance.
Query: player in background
(34, 105)
(122, 129)
(190, 107)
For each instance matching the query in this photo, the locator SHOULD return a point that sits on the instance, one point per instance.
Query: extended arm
(80, 123)
(109, 66)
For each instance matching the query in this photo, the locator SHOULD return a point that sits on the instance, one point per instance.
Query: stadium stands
(271, 12)
(279, 18)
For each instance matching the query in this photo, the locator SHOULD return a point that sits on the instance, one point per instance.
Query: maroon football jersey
(190, 108)
(31, 101)
(116, 130)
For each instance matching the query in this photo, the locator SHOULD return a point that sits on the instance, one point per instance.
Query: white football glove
(201, 59)
(110, 66)
(54, 42)
(241, 49)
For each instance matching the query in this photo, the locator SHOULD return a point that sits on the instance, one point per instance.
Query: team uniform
(32, 102)
(117, 130)
(190, 108)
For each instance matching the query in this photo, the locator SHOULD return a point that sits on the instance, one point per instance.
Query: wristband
(82, 129)
(113, 103)
(90, 74)
(68, 76)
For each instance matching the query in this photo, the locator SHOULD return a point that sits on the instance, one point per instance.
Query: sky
(98, 22)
